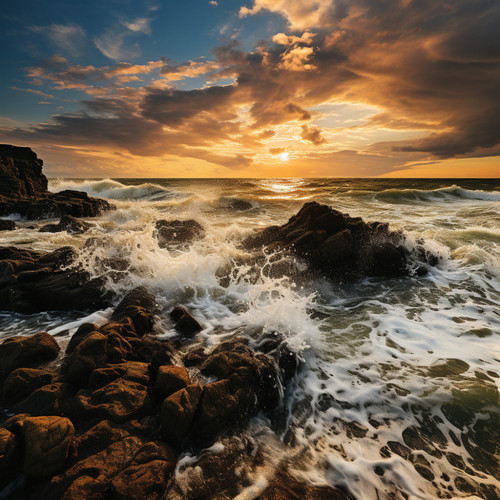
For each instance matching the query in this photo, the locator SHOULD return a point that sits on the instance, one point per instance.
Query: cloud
(312, 134)
(34, 91)
(434, 94)
(67, 38)
(213, 2)
(139, 25)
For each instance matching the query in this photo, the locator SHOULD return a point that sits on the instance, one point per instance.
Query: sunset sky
(256, 88)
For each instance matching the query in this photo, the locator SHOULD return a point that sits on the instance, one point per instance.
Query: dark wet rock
(338, 244)
(7, 225)
(178, 412)
(91, 478)
(67, 223)
(170, 379)
(26, 352)
(23, 189)
(24, 381)
(147, 474)
(194, 356)
(239, 205)
(10, 456)
(81, 333)
(153, 351)
(133, 371)
(33, 281)
(138, 305)
(46, 444)
(184, 321)
(118, 401)
(177, 232)
(97, 438)
(285, 487)
(51, 399)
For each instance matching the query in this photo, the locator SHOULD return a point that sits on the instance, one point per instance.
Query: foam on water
(392, 368)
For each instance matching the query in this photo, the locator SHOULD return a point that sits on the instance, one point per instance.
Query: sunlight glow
(285, 156)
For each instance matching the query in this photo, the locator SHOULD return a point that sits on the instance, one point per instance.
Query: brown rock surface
(170, 379)
(46, 443)
(24, 381)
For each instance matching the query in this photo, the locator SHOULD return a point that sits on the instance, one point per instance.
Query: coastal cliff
(23, 189)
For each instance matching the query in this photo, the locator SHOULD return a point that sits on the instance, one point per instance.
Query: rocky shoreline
(112, 411)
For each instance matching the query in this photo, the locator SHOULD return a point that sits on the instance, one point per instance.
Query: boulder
(91, 478)
(26, 352)
(51, 399)
(339, 245)
(33, 281)
(147, 475)
(177, 232)
(67, 223)
(46, 444)
(133, 371)
(185, 323)
(10, 454)
(170, 379)
(178, 412)
(24, 381)
(118, 401)
(138, 305)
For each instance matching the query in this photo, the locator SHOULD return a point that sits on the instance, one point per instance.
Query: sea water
(397, 396)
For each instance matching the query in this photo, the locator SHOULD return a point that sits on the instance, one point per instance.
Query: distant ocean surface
(399, 393)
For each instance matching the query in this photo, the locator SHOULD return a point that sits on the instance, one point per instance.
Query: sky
(254, 88)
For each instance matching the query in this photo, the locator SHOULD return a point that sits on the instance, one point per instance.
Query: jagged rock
(338, 244)
(178, 412)
(10, 454)
(147, 475)
(67, 223)
(177, 232)
(98, 438)
(170, 379)
(24, 381)
(185, 323)
(51, 399)
(23, 189)
(7, 225)
(26, 352)
(133, 371)
(118, 401)
(33, 281)
(138, 305)
(90, 478)
(46, 444)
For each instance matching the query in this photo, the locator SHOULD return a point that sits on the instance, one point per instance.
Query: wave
(114, 190)
(449, 193)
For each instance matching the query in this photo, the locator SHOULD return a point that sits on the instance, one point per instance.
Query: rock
(285, 487)
(90, 354)
(147, 475)
(177, 414)
(24, 381)
(35, 281)
(67, 223)
(177, 232)
(138, 305)
(10, 454)
(98, 438)
(185, 323)
(81, 333)
(170, 379)
(46, 443)
(7, 225)
(152, 351)
(23, 189)
(51, 399)
(90, 478)
(133, 371)
(118, 401)
(339, 245)
(26, 352)
(239, 205)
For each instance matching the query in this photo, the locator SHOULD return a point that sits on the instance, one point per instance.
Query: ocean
(398, 395)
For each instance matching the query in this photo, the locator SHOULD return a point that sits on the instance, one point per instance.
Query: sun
(285, 156)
